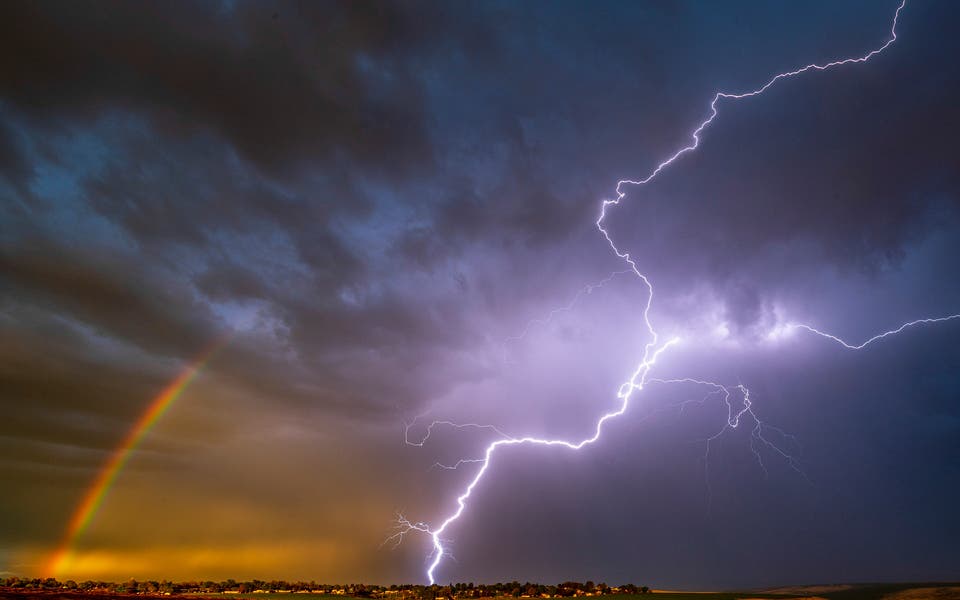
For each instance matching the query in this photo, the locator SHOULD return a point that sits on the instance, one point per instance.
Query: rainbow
(93, 499)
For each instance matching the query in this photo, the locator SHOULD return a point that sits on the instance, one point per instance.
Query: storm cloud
(380, 205)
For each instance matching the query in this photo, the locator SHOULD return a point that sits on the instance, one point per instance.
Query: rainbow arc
(93, 499)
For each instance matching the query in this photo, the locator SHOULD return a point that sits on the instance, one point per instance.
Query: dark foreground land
(885, 591)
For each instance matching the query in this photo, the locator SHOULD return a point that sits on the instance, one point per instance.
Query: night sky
(378, 205)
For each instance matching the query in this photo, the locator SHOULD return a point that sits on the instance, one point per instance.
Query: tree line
(453, 591)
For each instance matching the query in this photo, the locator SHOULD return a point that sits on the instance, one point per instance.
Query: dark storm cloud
(116, 295)
(190, 191)
(744, 308)
(370, 198)
(195, 192)
(14, 166)
(825, 172)
(284, 87)
(282, 84)
(230, 280)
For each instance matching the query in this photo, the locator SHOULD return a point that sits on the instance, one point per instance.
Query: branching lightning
(638, 379)
(584, 291)
(429, 430)
(635, 383)
(875, 338)
(402, 527)
(734, 416)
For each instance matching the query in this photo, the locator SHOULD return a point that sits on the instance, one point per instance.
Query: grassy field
(885, 591)
(898, 591)
(705, 596)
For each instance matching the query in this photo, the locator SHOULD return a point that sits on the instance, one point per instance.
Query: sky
(373, 212)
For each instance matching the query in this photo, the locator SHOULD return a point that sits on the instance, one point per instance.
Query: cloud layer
(374, 201)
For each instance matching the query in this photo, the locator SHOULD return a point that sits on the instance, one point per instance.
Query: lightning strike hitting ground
(653, 349)
(626, 391)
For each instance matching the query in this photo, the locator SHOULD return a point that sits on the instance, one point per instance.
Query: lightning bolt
(875, 338)
(584, 291)
(626, 391)
(653, 349)
(402, 527)
(429, 430)
(734, 417)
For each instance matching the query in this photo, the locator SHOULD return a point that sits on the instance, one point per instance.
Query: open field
(878, 591)
(898, 591)
(669, 595)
